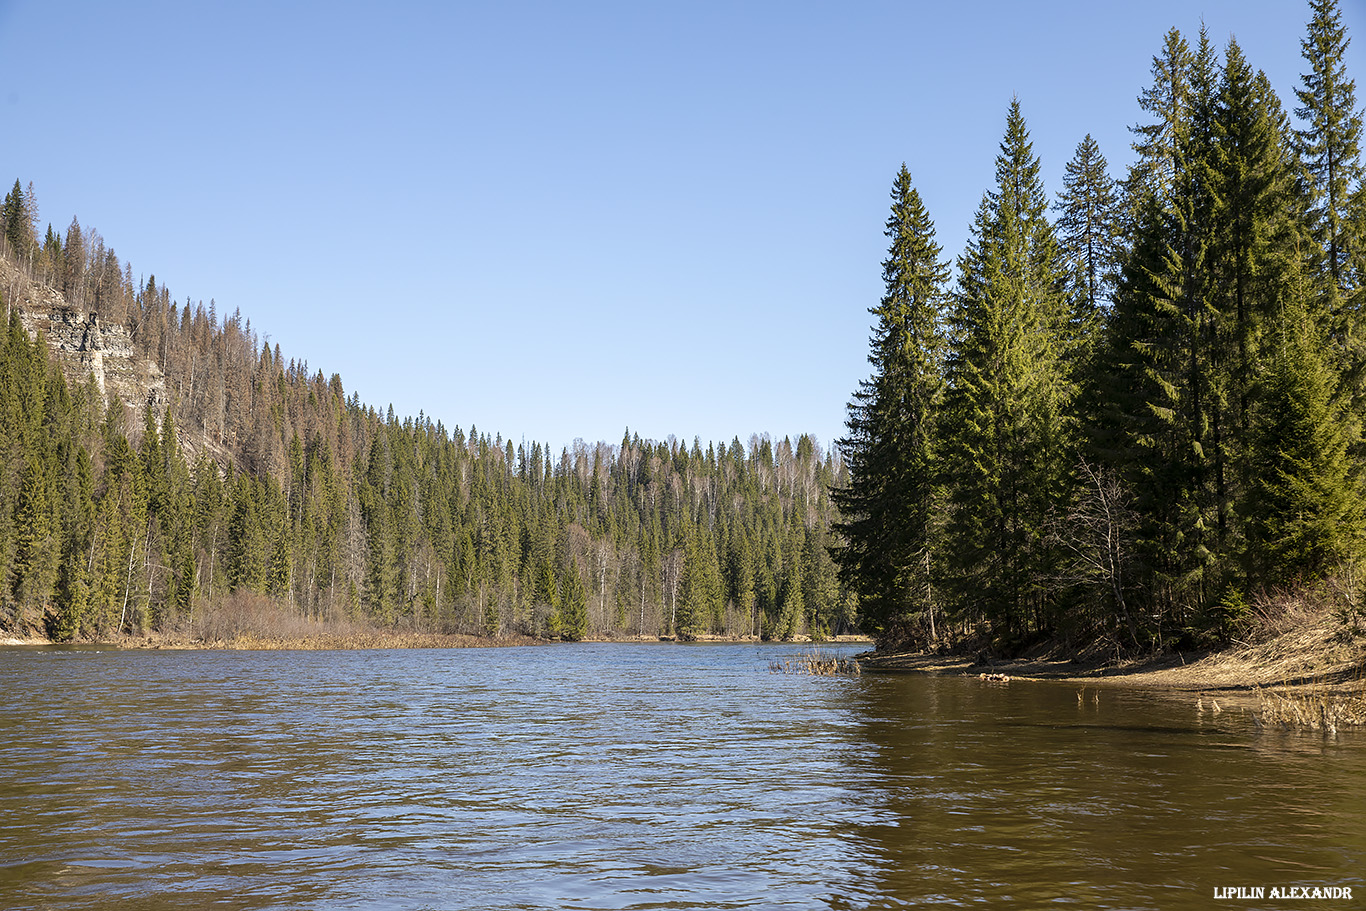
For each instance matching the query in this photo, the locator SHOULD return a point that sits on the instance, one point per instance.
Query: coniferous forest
(1122, 414)
(1136, 414)
(334, 511)
(252, 478)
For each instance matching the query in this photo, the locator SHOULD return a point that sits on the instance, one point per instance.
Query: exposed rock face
(83, 346)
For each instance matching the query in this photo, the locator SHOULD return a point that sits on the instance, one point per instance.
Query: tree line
(259, 475)
(1130, 420)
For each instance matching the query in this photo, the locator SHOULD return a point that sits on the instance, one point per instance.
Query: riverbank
(1308, 674)
(1308, 649)
(369, 638)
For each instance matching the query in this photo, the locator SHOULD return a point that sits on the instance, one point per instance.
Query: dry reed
(815, 664)
(1315, 709)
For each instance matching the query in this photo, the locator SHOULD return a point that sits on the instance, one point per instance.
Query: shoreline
(1321, 690)
(379, 639)
(1322, 664)
(1308, 657)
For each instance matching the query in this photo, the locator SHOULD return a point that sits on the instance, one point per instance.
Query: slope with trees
(253, 475)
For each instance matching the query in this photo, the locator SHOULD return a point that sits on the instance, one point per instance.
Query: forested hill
(159, 459)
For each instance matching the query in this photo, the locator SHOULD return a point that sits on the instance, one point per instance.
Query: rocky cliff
(83, 346)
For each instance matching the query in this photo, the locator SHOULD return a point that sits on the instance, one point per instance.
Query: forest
(257, 478)
(1134, 417)
(1129, 414)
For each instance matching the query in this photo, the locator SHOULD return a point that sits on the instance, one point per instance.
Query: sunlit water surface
(641, 776)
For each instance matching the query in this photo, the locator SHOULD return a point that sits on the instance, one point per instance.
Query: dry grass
(371, 639)
(249, 621)
(815, 664)
(1296, 638)
(1317, 709)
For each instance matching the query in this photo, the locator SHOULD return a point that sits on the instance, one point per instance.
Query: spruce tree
(73, 579)
(1255, 238)
(1329, 143)
(1157, 143)
(247, 557)
(1307, 517)
(1159, 423)
(574, 612)
(890, 507)
(18, 222)
(1010, 394)
(36, 545)
(1088, 232)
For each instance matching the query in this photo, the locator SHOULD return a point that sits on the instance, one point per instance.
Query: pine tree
(889, 508)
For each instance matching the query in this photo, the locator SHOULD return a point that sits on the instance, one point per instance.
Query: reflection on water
(649, 776)
(1034, 793)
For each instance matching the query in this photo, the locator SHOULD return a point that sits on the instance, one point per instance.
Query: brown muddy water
(644, 776)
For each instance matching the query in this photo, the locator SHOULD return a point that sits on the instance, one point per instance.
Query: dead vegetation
(1313, 708)
(1302, 637)
(244, 620)
(816, 664)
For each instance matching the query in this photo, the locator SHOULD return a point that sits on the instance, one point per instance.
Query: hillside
(165, 469)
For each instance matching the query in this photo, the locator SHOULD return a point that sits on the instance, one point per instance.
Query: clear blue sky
(558, 220)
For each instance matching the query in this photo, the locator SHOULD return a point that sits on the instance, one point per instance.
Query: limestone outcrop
(83, 346)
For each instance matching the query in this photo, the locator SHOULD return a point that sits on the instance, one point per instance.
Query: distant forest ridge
(207, 466)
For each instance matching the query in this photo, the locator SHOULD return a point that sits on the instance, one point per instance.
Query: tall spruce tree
(1256, 242)
(1252, 182)
(1329, 143)
(18, 222)
(1159, 428)
(1088, 231)
(1157, 143)
(1010, 393)
(890, 507)
(1307, 517)
(574, 612)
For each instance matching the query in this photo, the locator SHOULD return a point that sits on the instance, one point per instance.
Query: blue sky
(560, 220)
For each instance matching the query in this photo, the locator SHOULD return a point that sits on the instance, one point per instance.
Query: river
(643, 776)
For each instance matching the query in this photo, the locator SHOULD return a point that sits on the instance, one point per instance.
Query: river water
(642, 776)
